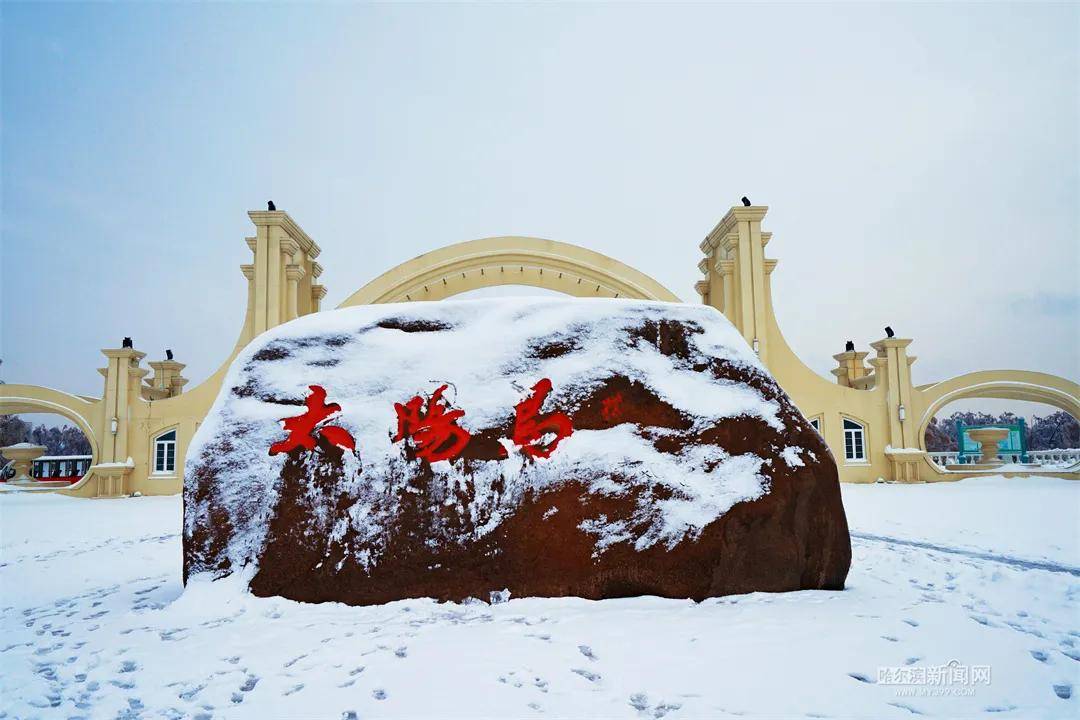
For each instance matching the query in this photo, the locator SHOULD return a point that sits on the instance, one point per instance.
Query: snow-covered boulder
(598, 448)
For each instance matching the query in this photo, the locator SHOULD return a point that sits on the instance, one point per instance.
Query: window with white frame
(165, 453)
(854, 441)
(816, 423)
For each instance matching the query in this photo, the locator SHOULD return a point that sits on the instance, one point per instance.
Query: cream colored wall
(737, 280)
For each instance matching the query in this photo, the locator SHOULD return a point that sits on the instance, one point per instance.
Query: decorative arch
(999, 384)
(18, 399)
(489, 262)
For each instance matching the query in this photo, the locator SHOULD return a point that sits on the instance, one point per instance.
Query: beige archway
(998, 384)
(495, 261)
(19, 399)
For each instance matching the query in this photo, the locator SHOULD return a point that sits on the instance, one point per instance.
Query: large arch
(998, 384)
(18, 399)
(495, 261)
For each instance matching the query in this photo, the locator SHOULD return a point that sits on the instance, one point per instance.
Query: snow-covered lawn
(985, 572)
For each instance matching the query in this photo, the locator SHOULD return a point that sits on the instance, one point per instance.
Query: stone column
(893, 371)
(123, 380)
(249, 314)
(850, 367)
(167, 378)
(293, 275)
(727, 273)
(278, 243)
(737, 273)
(318, 292)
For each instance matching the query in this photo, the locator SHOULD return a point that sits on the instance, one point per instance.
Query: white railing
(1043, 458)
(944, 458)
(1060, 458)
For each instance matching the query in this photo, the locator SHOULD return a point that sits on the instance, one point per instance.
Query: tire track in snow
(1003, 559)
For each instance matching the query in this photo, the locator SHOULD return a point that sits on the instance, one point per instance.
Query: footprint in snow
(910, 622)
(378, 694)
(861, 678)
(294, 689)
(910, 709)
(402, 651)
(590, 676)
(295, 660)
(587, 651)
(1063, 691)
(249, 683)
(1040, 655)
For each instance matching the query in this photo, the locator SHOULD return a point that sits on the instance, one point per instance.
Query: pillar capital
(289, 248)
(882, 345)
(281, 219)
(850, 368)
(129, 354)
(294, 273)
(249, 270)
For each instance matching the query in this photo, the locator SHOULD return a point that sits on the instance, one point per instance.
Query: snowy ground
(985, 572)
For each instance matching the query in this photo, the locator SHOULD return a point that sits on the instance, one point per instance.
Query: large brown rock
(688, 472)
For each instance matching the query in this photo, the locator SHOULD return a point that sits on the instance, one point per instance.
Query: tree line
(63, 440)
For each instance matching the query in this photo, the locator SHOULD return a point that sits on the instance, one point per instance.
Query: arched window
(165, 453)
(854, 441)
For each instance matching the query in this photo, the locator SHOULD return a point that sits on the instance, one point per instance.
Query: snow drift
(597, 448)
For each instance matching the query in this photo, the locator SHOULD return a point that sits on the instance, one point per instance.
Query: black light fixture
(889, 332)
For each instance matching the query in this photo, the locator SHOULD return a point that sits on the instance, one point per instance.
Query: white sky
(921, 162)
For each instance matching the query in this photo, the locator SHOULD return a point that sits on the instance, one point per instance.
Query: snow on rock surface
(663, 458)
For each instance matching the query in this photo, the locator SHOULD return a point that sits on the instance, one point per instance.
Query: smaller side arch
(998, 384)
(496, 261)
(18, 399)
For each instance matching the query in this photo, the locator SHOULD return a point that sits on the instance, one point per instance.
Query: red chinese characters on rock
(302, 428)
(433, 429)
(431, 426)
(539, 434)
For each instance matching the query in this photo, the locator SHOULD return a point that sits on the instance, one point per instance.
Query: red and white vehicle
(61, 468)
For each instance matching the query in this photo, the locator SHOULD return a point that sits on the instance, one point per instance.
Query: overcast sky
(920, 162)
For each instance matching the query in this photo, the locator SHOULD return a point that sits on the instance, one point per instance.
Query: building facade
(872, 417)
